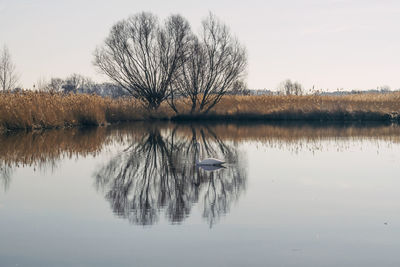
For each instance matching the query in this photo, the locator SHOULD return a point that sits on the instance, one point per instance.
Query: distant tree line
(290, 88)
(378, 90)
(79, 84)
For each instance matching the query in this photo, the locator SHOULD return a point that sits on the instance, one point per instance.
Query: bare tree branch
(159, 173)
(8, 75)
(215, 63)
(288, 87)
(142, 56)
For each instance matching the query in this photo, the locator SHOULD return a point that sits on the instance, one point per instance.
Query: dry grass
(43, 110)
(341, 108)
(32, 110)
(384, 103)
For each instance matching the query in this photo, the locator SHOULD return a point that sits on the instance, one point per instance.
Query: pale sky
(350, 44)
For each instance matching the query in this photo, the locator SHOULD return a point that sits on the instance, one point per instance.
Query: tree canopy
(156, 61)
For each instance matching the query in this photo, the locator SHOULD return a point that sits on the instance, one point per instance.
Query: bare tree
(73, 83)
(55, 85)
(42, 84)
(8, 75)
(384, 88)
(291, 88)
(142, 56)
(215, 63)
(239, 88)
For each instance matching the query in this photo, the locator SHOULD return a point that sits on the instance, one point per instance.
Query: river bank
(38, 110)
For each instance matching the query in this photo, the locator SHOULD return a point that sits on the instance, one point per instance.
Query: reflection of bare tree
(223, 188)
(174, 151)
(158, 173)
(5, 176)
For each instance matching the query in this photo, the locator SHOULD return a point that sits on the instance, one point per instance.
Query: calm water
(290, 195)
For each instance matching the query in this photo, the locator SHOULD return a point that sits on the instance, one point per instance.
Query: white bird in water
(208, 161)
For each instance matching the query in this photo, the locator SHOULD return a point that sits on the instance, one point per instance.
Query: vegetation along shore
(162, 70)
(38, 110)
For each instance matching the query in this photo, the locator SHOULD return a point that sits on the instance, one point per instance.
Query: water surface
(131, 195)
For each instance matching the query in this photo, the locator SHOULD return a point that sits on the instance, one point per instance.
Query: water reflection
(211, 168)
(155, 175)
(5, 176)
(44, 150)
(158, 174)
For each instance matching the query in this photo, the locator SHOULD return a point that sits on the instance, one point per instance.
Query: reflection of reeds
(41, 147)
(35, 147)
(294, 132)
(29, 110)
(47, 148)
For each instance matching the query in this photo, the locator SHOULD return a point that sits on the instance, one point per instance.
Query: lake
(132, 195)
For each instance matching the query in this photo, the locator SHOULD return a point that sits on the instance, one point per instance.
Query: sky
(328, 44)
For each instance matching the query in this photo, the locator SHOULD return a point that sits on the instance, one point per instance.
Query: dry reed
(356, 107)
(34, 110)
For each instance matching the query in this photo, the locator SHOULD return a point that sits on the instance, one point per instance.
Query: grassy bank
(366, 107)
(31, 110)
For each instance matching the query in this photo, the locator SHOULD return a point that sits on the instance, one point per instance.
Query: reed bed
(37, 110)
(357, 107)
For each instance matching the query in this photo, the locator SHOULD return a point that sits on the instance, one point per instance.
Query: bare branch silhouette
(159, 174)
(216, 63)
(142, 56)
(5, 176)
(8, 75)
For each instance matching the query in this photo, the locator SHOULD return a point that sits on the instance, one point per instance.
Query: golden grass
(44, 110)
(300, 107)
(32, 110)
(382, 103)
(310, 107)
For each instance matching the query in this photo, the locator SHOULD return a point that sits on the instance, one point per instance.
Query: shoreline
(40, 110)
(316, 116)
(279, 119)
